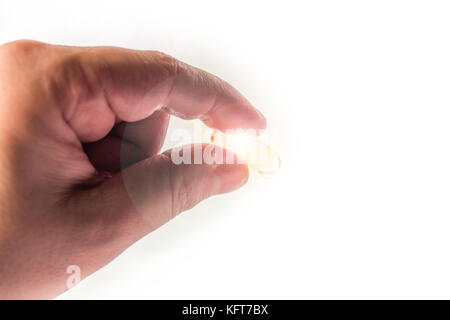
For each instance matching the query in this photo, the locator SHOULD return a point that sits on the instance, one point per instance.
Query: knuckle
(187, 188)
(20, 50)
(166, 61)
(68, 80)
(182, 195)
(62, 71)
(177, 187)
(165, 67)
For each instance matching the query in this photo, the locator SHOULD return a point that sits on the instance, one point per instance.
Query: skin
(81, 173)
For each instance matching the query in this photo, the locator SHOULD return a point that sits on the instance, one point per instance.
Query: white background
(358, 93)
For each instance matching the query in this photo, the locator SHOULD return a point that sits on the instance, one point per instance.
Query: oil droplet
(256, 154)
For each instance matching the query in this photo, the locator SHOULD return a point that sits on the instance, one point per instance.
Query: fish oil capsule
(255, 153)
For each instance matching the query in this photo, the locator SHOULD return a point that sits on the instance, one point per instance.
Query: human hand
(64, 160)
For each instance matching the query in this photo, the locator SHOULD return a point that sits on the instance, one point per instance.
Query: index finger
(133, 84)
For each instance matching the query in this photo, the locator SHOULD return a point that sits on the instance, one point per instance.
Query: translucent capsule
(256, 154)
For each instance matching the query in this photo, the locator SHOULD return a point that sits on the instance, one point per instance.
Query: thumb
(149, 193)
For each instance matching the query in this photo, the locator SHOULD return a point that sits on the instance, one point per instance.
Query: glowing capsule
(256, 154)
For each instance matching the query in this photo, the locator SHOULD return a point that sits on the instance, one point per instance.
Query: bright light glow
(256, 154)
